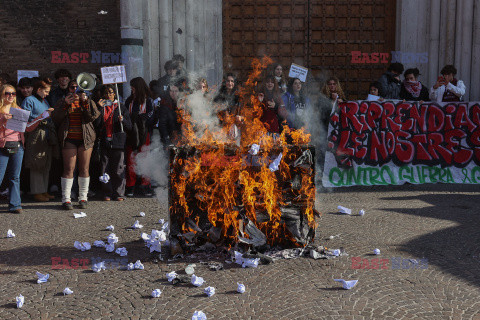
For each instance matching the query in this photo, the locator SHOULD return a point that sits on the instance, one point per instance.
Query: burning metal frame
(223, 194)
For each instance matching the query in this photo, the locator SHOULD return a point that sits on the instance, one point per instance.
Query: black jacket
(161, 88)
(424, 94)
(118, 142)
(56, 94)
(168, 124)
(389, 86)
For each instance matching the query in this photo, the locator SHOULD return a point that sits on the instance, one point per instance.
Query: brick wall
(31, 29)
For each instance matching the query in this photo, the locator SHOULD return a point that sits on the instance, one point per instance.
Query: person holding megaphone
(74, 116)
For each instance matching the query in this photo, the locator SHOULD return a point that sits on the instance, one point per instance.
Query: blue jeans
(11, 165)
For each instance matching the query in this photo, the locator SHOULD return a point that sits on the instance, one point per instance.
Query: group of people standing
(96, 134)
(66, 126)
(390, 87)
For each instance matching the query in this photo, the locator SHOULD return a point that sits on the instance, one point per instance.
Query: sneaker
(49, 196)
(120, 199)
(67, 206)
(129, 191)
(148, 191)
(106, 198)
(17, 211)
(83, 204)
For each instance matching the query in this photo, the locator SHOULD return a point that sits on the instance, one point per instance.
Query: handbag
(11, 147)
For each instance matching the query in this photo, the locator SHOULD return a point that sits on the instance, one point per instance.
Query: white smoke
(152, 162)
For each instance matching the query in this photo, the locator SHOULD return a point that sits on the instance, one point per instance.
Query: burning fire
(216, 184)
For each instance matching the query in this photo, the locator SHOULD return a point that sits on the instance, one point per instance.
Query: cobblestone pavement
(436, 222)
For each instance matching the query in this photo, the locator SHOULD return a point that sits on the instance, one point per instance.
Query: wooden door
(317, 34)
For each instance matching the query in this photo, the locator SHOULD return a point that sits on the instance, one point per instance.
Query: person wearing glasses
(74, 116)
(113, 122)
(40, 143)
(11, 147)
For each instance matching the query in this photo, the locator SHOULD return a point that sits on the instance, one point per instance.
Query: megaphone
(86, 81)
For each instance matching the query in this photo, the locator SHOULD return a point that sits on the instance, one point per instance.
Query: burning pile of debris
(258, 190)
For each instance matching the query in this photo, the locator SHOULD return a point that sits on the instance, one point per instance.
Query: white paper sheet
(345, 210)
(347, 284)
(99, 244)
(156, 293)
(45, 115)
(82, 246)
(80, 215)
(122, 252)
(42, 278)
(67, 291)
(372, 97)
(137, 225)
(26, 74)
(112, 238)
(197, 281)
(97, 267)
(240, 288)
(20, 300)
(171, 275)
(104, 178)
(10, 234)
(19, 120)
(209, 291)
(138, 265)
(199, 315)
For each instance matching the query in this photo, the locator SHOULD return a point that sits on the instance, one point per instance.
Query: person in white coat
(448, 88)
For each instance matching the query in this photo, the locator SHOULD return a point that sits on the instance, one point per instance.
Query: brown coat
(60, 117)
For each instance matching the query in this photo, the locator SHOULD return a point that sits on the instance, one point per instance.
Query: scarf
(108, 119)
(414, 87)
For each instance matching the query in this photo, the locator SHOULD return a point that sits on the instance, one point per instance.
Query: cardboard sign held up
(26, 74)
(297, 71)
(114, 74)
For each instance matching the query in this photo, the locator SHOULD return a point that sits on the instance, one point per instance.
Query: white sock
(83, 183)
(66, 189)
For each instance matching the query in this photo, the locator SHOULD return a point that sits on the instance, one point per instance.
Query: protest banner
(26, 74)
(372, 143)
(114, 74)
(297, 71)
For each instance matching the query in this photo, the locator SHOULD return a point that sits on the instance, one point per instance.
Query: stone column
(475, 76)
(131, 13)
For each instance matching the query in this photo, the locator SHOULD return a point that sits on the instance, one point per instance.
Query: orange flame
(214, 177)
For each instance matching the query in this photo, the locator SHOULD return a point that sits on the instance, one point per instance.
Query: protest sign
(26, 74)
(299, 72)
(114, 74)
(372, 143)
